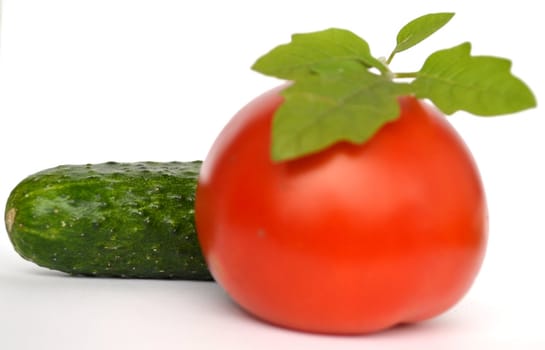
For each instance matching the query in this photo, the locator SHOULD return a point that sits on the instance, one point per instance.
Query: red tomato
(353, 239)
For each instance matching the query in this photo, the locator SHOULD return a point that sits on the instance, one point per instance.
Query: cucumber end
(10, 219)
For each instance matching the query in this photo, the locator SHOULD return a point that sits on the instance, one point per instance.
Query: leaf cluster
(340, 91)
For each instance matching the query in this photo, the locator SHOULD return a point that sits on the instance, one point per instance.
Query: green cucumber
(133, 220)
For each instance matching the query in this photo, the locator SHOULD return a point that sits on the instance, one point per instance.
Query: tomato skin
(352, 239)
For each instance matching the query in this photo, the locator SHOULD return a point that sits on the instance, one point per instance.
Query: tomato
(352, 239)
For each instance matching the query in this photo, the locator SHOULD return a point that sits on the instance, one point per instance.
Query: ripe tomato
(353, 239)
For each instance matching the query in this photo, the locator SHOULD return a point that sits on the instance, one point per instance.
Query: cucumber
(132, 220)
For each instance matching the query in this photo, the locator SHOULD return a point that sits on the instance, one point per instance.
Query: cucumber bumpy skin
(132, 220)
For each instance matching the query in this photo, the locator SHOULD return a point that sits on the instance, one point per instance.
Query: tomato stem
(405, 75)
(391, 75)
(390, 58)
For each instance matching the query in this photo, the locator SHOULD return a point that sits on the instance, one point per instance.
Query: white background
(85, 81)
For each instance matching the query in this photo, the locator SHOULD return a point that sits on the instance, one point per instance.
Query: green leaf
(323, 109)
(483, 85)
(419, 29)
(310, 51)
